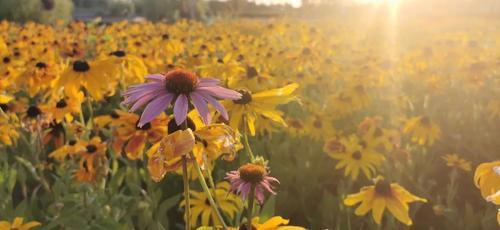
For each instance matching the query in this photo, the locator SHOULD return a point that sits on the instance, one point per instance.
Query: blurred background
(49, 11)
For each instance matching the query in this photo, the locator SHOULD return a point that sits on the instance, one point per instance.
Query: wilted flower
(251, 176)
(381, 195)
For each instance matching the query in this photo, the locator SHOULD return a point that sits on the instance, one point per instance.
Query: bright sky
(294, 3)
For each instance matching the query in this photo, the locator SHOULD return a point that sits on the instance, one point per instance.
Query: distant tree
(43, 11)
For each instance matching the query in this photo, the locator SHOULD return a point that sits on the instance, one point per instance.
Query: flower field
(292, 124)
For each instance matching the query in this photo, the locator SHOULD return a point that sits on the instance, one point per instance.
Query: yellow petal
(378, 209)
(399, 210)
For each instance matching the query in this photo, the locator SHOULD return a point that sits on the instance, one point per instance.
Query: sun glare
(380, 2)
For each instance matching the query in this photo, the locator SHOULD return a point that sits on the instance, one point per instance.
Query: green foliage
(47, 11)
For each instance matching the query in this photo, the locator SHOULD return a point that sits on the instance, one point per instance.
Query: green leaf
(268, 209)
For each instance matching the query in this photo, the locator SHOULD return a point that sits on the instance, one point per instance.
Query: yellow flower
(487, 178)
(17, 224)
(167, 156)
(355, 156)
(72, 147)
(380, 196)
(252, 106)
(64, 108)
(96, 77)
(454, 161)
(229, 204)
(8, 125)
(423, 130)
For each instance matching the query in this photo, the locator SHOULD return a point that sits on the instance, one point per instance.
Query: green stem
(247, 144)
(250, 207)
(212, 185)
(204, 185)
(187, 207)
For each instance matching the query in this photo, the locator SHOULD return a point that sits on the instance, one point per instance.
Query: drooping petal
(378, 209)
(220, 92)
(180, 109)
(208, 82)
(201, 105)
(154, 108)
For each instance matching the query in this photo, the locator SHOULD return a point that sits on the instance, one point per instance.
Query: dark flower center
(180, 81)
(173, 127)
(4, 107)
(251, 72)
(72, 142)
(165, 36)
(246, 97)
(114, 115)
(356, 155)
(306, 51)
(6, 60)
(41, 65)
(81, 66)
(118, 53)
(33, 111)
(56, 129)
(383, 188)
(91, 148)
(145, 127)
(252, 173)
(335, 146)
(378, 132)
(61, 104)
(294, 123)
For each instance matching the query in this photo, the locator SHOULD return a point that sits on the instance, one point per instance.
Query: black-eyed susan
(201, 211)
(90, 75)
(70, 148)
(63, 109)
(92, 160)
(422, 129)
(455, 161)
(383, 195)
(132, 139)
(38, 77)
(252, 106)
(355, 156)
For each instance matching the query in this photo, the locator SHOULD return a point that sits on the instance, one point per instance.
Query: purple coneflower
(249, 175)
(177, 87)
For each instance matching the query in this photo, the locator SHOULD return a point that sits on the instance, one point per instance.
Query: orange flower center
(252, 173)
(180, 81)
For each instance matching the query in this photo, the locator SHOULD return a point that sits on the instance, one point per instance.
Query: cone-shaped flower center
(383, 188)
(61, 104)
(252, 173)
(180, 81)
(246, 97)
(81, 66)
(33, 111)
(91, 148)
(356, 155)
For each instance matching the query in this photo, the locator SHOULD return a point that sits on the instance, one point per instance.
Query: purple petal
(218, 106)
(143, 88)
(208, 82)
(154, 108)
(220, 92)
(180, 109)
(201, 105)
(259, 194)
(156, 77)
(145, 98)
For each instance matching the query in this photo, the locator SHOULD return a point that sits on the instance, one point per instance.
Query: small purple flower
(177, 87)
(251, 174)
